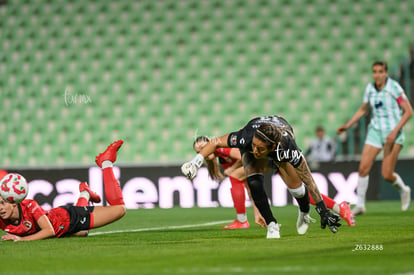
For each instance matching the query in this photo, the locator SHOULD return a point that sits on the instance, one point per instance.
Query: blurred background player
(390, 111)
(230, 161)
(322, 147)
(27, 221)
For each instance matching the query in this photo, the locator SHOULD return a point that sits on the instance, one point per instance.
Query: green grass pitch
(191, 241)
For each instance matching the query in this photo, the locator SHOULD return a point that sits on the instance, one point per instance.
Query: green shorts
(377, 138)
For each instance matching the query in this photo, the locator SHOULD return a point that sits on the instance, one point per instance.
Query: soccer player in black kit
(266, 142)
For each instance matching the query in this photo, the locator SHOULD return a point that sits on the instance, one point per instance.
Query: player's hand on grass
(258, 218)
(327, 217)
(330, 219)
(10, 237)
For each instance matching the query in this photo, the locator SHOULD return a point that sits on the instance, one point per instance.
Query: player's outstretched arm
(357, 115)
(46, 231)
(189, 169)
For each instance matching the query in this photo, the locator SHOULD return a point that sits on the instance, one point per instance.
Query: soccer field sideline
(160, 228)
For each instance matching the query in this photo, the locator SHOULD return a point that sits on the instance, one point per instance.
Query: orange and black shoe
(110, 153)
(93, 196)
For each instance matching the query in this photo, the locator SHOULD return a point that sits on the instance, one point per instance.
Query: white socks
(362, 190)
(363, 186)
(106, 164)
(399, 184)
(84, 194)
(242, 217)
(336, 208)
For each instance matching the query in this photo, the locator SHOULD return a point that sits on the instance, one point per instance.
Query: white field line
(159, 228)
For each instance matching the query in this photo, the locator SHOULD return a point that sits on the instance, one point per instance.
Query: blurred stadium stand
(74, 76)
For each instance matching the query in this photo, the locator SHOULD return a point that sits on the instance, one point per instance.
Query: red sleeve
(35, 209)
(223, 152)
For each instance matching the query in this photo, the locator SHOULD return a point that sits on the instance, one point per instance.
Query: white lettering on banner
(96, 181)
(40, 187)
(68, 192)
(279, 191)
(224, 193)
(167, 187)
(204, 184)
(141, 192)
(321, 182)
(345, 188)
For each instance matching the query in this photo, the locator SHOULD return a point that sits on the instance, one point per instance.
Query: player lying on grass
(230, 160)
(271, 140)
(27, 221)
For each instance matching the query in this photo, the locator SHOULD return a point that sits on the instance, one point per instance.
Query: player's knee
(122, 210)
(118, 211)
(298, 192)
(363, 170)
(388, 175)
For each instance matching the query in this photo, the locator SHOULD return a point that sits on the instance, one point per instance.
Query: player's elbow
(50, 232)
(409, 112)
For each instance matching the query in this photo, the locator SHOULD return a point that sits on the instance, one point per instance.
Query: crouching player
(27, 221)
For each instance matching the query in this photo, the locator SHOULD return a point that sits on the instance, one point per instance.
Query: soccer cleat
(405, 199)
(110, 153)
(346, 213)
(237, 225)
(273, 231)
(358, 210)
(303, 221)
(93, 196)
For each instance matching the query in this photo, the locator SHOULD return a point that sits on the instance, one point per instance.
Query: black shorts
(80, 218)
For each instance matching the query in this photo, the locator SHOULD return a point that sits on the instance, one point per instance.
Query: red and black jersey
(286, 150)
(224, 157)
(65, 220)
(29, 212)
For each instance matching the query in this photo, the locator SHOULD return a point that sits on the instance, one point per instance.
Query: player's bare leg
(391, 152)
(368, 155)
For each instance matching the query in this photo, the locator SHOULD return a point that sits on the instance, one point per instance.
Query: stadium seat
(156, 72)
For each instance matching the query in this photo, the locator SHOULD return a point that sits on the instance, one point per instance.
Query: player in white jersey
(390, 112)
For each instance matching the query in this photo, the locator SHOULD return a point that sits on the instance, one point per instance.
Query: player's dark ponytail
(213, 167)
(269, 134)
